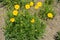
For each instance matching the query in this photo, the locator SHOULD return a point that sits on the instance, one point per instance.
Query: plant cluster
(21, 24)
(10, 3)
(57, 37)
(58, 1)
(49, 2)
(46, 12)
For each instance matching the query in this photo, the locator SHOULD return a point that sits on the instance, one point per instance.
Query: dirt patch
(53, 26)
(2, 23)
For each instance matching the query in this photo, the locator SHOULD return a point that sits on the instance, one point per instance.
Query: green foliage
(49, 2)
(45, 10)
(22, 28)
(1, 0)
(57, 37)
(10, 3)
(58, 1)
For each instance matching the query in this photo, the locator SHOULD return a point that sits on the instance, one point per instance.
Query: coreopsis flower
(31, 3)
(27, 6)
(50, 15)
(36, 7)
(15, 12)
(39, 4)
(33, 20)
(12, 20)
(16, 6)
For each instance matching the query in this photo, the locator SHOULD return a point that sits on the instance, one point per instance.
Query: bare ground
(53, 26)
(2, 23)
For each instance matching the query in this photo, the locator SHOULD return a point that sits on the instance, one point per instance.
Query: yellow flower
(50, 15)
(33, 20)
(12, 20)
(36, 7)
(15, 12)
(39, 4)
(27, 6)
(31, 3)
(16, 6)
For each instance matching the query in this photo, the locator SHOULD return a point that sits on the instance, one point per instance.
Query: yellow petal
(31, 3)
(12, 20)
(39, 4)
(16, 6)
(27, 6)
(50, 15)
(15, 12)
(36, 7)
(32, 21)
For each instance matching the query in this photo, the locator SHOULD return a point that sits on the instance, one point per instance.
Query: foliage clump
(57, 37)
(21, 25)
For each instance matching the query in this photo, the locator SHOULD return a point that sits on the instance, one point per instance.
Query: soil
(53, 26)
(2, 23)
